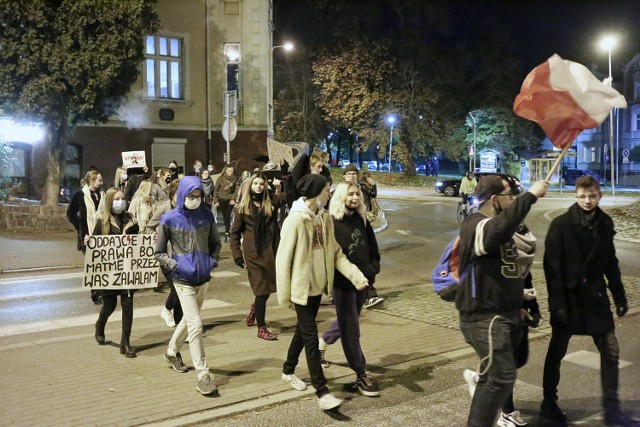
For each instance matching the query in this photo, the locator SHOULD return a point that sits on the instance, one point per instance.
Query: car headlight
(438, 184)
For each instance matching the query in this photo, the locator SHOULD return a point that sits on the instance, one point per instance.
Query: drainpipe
(208, 77)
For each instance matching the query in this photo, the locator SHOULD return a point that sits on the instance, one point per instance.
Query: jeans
(191, 300)
(226, 208)
(495, 386)
(110, 301)
(349, 302)
(607, 345)
(306, 336)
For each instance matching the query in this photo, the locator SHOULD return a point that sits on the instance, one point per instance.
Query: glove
(621, 310)
(535, 320)
(560, 318)
(529, 294)
(239, 262)
(284, 167)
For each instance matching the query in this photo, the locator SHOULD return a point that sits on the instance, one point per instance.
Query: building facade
(203, 49)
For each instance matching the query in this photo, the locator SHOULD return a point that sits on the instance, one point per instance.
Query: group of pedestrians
(497, 304)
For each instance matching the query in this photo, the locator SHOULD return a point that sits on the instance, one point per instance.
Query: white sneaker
(471, 377)
(373, 301)
(329, 401)
(167, 315)
(511, 420)
(295, 382)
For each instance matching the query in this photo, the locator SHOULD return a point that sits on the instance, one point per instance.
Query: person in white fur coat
(307, 256)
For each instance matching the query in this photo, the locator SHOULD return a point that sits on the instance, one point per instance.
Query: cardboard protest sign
(322, 154)
(121, 262)
(133, 159)
(279, 152)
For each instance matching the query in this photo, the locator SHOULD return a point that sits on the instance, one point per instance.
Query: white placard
(121, 262)
(279, 152)
(133, 159)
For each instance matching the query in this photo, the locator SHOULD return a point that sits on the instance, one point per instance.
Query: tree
(65, 62)
(6, 157)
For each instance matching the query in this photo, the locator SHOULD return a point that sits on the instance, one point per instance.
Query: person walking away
(350, 175)
(467, 187)
(193, 234)
(143, 205)
(82, 212)
(580, 263)
(114, 220)
(358, 242)
(172, 311)
(254, 240)
(489, 297)
(307, 256)
(224, 196)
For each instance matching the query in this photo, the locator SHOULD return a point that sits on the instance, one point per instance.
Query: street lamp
(287, 47)
(608, 43)
(473, 152)
(392, 121)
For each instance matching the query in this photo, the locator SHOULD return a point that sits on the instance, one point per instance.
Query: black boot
(99, 333)
(125, 347)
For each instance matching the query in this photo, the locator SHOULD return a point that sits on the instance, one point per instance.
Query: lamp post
(473, 151)
(392, 121)
(288, 47)
(608, 43)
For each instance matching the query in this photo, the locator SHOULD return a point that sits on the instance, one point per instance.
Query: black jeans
(306, 336)
(495, 386)
(110, 299)
(226, 209)
(607, 345)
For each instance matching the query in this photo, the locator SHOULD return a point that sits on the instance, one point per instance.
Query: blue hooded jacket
(194, 239)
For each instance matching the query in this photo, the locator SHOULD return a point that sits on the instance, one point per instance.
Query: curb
(37, 269)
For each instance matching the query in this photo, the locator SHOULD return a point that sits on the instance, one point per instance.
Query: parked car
(451, 187)
(421, 169)
(570, 176)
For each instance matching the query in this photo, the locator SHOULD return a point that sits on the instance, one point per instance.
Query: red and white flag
(565, 98)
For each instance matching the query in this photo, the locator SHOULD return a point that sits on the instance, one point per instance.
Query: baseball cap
(491, 185)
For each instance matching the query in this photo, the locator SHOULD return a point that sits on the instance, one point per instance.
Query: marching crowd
(326, 245)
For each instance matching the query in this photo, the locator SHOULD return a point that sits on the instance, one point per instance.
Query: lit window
(233, 57)
(593, 154)
(638, 122)
(163, 70)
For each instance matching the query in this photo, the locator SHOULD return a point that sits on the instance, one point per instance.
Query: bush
(6, 157)
(391, 179)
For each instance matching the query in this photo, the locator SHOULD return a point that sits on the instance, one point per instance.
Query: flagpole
(557, 162)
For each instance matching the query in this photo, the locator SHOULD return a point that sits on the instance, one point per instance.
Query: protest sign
(121, 262)
(279, 152)
(133, 159)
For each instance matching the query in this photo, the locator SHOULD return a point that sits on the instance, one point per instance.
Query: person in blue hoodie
(195, 242)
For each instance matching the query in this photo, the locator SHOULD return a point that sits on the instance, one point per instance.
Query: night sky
(534, 30)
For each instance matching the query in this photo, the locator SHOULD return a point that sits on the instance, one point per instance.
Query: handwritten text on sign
(121, 262)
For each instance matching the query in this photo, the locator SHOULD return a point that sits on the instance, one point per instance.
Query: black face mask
(352, 210)
(167, 179)
(255, 197)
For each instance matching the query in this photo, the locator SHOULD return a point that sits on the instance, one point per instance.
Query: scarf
(91, 207)
(261, 228)
(230, 181)
(526, 245)
(207, 185)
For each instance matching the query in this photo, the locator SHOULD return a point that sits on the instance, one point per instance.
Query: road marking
(29, 279)
(591, 359)
(403, 232)
(89, 319)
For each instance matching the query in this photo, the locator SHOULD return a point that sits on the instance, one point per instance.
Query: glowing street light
(473, 151)
(608, 43)
(391, 119)
(288, 46)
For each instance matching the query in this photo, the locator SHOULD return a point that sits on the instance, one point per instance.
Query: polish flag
(565, 98)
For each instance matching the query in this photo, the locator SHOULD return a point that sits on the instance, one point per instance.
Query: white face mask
(192, 204)
(124, 176)
(118, 206)
(210, 169)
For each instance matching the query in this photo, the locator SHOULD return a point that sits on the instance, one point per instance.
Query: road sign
(625, 152)
(229, 128)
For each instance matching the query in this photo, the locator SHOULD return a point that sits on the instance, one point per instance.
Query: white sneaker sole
(329, 406)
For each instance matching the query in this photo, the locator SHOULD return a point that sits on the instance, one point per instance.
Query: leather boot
(100, 333)
(125, 347)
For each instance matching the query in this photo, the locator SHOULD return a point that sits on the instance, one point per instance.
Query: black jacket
(578, 256)
(358, 242)
(487, 244)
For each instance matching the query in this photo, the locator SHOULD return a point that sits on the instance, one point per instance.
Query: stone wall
(29, 217)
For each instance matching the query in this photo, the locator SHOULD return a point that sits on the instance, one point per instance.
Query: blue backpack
(446, 277)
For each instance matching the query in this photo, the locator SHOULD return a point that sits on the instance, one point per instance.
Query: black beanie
(311, 185)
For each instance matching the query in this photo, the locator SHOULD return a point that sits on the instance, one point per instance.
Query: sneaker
(323, 361)
(176, 363)
(372, 301)
(366, 387)
(265, 334)
(167, 315)
(329, 401)
(550, 411)
(206, 386)
(294, 381)
(471, 377)
(511, 420)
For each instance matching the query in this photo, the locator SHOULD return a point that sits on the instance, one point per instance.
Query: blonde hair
(117, 181)
(91, 176)
(245, 200)
(337, 206)
(105, 214)
(144, 190)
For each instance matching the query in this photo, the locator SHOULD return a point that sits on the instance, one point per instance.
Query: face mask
(210, 169)
(98, 188)
(167, 179)
(197, 168)
(192, 204)
(124, 177)
(173, 169)
(118, 206)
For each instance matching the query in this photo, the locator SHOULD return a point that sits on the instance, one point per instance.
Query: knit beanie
(350, 168)
(311, 185)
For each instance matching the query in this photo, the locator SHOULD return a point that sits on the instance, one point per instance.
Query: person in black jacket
(358, 242)
(579, 255)
(489, 298)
